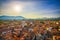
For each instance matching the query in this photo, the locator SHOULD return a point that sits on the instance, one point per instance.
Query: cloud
(8, 10)
(49, 13)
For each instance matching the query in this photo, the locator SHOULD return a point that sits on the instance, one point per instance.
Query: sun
(17, 8)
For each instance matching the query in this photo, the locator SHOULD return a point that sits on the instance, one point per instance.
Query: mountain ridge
(21, 17)
(11, 17)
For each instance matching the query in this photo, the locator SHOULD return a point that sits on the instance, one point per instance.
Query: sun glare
(17, 8)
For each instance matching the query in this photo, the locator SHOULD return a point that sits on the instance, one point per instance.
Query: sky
(30, 8)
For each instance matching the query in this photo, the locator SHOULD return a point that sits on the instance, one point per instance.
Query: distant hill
(44, 18)
(58, 18)
(11, 17)
(21, 17)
